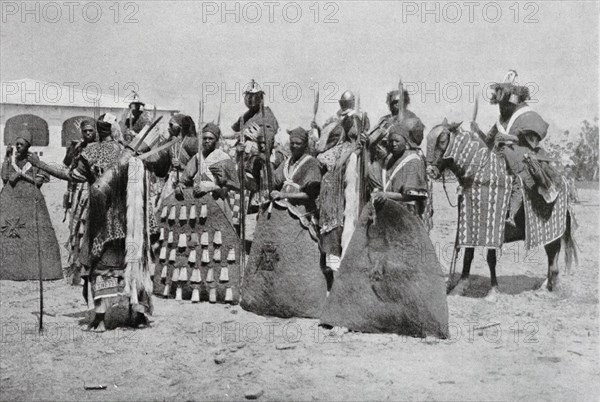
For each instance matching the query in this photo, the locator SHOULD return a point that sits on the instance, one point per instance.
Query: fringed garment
(197, 253)
(120, 222)
(338, 198)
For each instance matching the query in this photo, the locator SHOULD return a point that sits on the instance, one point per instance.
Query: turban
(26, 135)
(299, 132)
(213, 129)
(411, 129)
(188, 127)
(86, 122)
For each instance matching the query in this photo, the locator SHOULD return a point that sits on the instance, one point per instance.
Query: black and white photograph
(299, 200)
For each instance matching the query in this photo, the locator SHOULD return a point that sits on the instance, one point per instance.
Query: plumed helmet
(509, 90)
(253, 88)
(347, 100)
(136, 103)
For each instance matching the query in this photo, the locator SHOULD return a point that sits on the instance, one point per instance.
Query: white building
(52, 112)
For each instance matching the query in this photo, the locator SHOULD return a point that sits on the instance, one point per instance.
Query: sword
(146, 133)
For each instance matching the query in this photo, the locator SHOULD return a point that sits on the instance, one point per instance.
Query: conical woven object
(173, 213)
(196, 276)
(224, 275)
(218, 239)
(205, 256)
(204, 239)
(183, 274)
(217, 255)
(182, 243)
(192, 257)
(183, 213)
(195, 295)
(228, 295)
(231, 255)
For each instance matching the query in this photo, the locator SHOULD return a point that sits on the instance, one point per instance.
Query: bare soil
(537, 345)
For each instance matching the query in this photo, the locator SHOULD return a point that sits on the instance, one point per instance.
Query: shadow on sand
(479, 286)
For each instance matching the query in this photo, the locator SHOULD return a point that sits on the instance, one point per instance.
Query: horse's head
(438, 141)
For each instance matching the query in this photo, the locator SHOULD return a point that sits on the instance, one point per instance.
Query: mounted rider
(377, 140)
(516, 136)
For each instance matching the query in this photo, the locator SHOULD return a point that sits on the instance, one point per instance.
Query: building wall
(55, 116)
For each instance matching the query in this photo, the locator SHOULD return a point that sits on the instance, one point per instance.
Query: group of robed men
(332, 171)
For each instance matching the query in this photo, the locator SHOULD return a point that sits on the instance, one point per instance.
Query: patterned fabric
(407, 177)
(331, 200)
(97, 157)
(303, 176)
(486, 192)
(545, 223)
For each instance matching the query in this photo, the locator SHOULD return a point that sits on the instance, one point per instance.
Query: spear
(242, 218)
(316, 105)
(400, 100)
(219, 116)
(39, 254)
(363, 159)
(267, 148)
(200, 156)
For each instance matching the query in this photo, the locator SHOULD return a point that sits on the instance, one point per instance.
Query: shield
(71, 129)
(34, 124)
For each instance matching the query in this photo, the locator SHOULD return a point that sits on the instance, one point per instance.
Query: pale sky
(176, 46)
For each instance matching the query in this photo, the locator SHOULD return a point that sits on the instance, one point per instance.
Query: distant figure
(25, 226)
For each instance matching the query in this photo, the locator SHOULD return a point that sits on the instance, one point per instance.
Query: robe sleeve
(225, 174)
(278, 177)
(159, 163)
(187, 177)
(5, 170)
(411, 180)
(311, 180)
(374, 179)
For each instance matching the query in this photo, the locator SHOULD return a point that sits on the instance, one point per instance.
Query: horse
(476, 166)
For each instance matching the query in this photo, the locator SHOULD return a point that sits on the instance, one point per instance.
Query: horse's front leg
(463, 282)
(491, 260)
(552, 251)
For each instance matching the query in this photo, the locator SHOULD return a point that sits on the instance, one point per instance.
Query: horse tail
(569, 244)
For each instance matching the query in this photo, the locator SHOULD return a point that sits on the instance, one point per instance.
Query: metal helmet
(136, 103)
(253, 95)
(347, 100)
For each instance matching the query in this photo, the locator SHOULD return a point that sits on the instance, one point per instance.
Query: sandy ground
(544, 346)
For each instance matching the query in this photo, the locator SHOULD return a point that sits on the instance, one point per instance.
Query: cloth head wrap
(299, 132)
(26, 135)
(213, 129)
